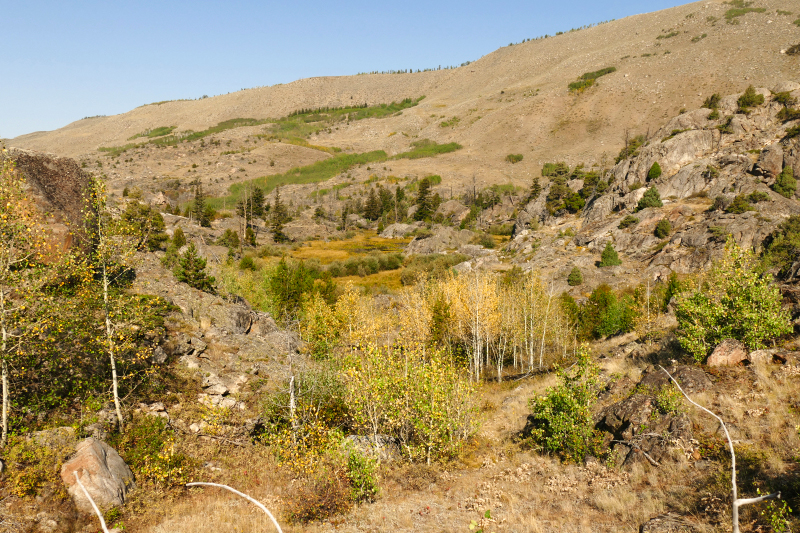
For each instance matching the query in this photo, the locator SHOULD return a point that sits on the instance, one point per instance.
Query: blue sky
(63, 60)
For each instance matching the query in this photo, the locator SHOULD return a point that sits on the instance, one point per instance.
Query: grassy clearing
(328, 168)
(427, 148)
(299, 125)
(588, 79)
(157, 132)
(740, 8)
(314, 173)
(362, 244)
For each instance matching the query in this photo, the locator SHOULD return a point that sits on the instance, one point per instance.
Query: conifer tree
(609, 256)
(191, 270)
(372, 209)
(199, 211)
(423, 201)
(278, 217)
(178, 238)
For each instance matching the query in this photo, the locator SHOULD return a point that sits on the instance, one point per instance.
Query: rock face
(728, 352)
(59, 188)
(103, 473)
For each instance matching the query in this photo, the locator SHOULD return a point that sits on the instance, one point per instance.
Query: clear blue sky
(64, 60)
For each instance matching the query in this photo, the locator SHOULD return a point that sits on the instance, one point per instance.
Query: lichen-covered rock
(728, 352)
(103, 473)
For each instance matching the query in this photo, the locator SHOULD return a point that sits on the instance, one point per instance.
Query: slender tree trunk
(110, 338)
(3, 349)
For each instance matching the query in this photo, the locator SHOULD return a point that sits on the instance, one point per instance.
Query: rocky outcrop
(60, 189)
(443, 239)
(103, 473)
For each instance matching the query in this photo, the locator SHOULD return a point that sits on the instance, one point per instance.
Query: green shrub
(247, 263)
(514, 158)
(663, 228)
(750, 98)
(712, 102)
(574, 203)
(735, 302)
(609, 257)
(362, 474)
(651, 198)
(484, 239)
(757, 196)
(793, 132)
(784, 98)
(785, 184)
(575, 277)
(782, 246)
(668, 400)
(146, 225)
(628, 221)
(631, 149)
(654, 172)
(588, 79)
(739, 205)
(229, 238)
(788, 113)
(562, 420)
(148, 447)
(34, 466)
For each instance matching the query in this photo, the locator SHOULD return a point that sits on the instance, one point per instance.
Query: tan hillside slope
(514, 100)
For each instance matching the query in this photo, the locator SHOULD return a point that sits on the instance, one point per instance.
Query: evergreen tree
(609, 256)
(575, 277)
(423, 201)
(199, 211)
(651, 198)
(250, 236)
(785, 184)
(372, 209)
(386, 199)
(278, 217)
(536, 190)
(191, 270)
(257, 201)
(178, 238)
(654, 172)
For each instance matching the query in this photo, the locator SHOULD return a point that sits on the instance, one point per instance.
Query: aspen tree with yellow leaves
(22, 273)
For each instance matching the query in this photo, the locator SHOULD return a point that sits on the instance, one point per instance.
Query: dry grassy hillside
(514, 100)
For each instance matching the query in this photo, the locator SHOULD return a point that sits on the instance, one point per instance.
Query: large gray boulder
(103, 473)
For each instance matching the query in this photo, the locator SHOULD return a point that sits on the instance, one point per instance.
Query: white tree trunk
(110, 339)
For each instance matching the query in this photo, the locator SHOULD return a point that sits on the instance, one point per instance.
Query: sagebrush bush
(562, 420)
(736, 302)
(514, 158)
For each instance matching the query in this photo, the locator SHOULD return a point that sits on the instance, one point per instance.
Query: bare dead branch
(639, 448)
(96, 510)
(735, 499)
(243, 495)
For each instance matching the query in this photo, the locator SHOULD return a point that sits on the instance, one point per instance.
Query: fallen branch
(736, 501)
(637, 447)
(96, 510)
(243, 495)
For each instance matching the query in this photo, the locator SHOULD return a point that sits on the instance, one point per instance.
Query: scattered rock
(103, 473)
(728, 352)
(668, 523)
(383, 447)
